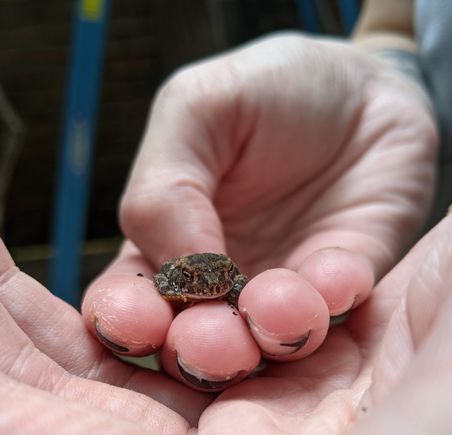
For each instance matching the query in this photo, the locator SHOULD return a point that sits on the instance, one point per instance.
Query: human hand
(388, 364)
(56, 378)
(301, 156)
(386, 370)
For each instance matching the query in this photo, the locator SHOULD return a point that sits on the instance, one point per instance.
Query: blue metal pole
(308, 16)
(349, 11)
(77, 146)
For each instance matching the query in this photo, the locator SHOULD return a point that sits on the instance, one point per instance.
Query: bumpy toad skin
(198, 277)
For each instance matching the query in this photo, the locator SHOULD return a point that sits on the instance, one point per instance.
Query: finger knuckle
(134, 212)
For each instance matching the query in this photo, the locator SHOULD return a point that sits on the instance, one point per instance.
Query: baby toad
(199, 277)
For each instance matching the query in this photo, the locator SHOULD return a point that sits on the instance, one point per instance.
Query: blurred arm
(386, 24)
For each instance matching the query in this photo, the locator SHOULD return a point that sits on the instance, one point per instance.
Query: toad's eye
(187, 275)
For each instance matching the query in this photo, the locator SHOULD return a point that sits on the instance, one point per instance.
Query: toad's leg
(239, 282)
(161, 284)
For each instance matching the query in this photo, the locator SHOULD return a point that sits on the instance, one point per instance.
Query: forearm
(385, 24)
(385, 31)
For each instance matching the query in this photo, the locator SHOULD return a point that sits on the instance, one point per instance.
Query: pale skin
(328, 223)
(387, 368)
(309, 162)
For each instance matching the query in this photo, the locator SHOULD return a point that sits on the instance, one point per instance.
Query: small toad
(199, 277)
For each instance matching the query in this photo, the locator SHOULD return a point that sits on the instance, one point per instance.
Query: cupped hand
(308, 162)
(386, 370)
(56, 378)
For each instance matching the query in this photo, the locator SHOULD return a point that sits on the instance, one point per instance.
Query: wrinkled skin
(389, 362)
(308, 162)
(357, 177)
(198, 277)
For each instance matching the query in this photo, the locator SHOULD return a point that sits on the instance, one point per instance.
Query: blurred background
(145, 41)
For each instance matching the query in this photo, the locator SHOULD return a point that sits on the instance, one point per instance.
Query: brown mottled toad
(199, 277)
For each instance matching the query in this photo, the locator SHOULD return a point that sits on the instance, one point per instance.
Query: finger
(430, 287)
(342, 266)
(425, 295)
(23, 362)
(209, 347)
(287, 317)
(424, 386)
(343, 278)
(28, 410)
(123, 308)
(58, 331)
(369, 323)
(167, 209)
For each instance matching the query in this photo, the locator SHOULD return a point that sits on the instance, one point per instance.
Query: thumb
(167, 208)
(170, 219)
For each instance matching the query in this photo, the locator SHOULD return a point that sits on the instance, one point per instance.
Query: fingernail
(198, 380)
(272, 346)
(339, 318)
(296, 345)
(106, 341)
(263, 364)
